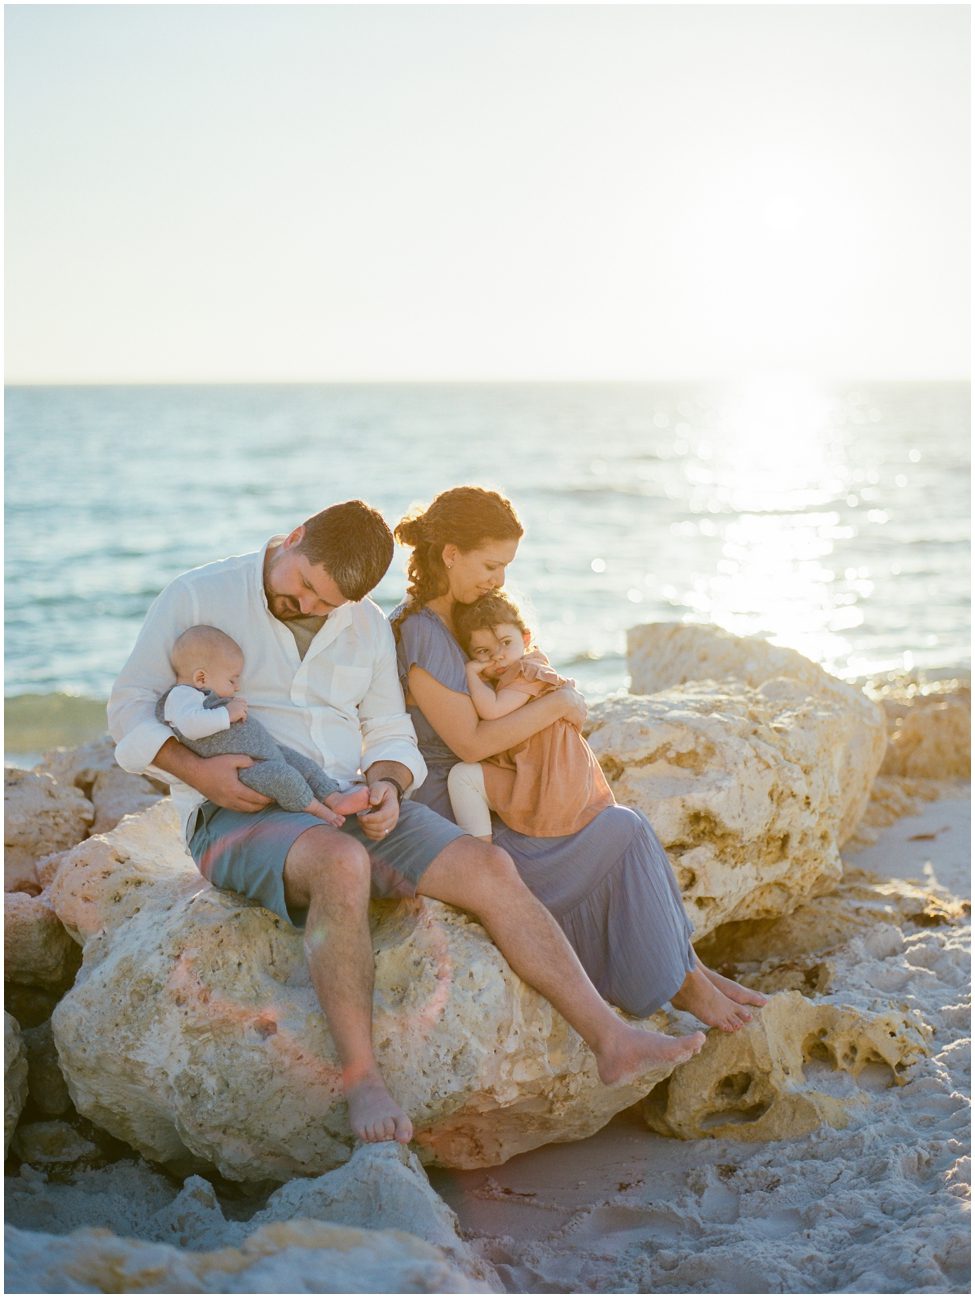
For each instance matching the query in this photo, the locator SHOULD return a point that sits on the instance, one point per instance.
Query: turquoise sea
(832, 519)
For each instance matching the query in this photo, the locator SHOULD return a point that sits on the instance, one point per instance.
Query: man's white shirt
(342, 705)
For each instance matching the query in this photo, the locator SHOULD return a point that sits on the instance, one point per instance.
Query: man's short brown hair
(352, 542)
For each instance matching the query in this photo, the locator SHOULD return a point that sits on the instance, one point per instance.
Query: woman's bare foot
(634, 1051)
(347, 804)
(734, 991)
(373, 1113)
(316, 808)
(699, 996)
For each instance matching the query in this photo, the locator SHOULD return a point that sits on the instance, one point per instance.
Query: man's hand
(237, 707)
(383, 813)
(216, 778)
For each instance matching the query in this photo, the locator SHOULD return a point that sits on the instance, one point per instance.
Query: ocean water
(831, 519)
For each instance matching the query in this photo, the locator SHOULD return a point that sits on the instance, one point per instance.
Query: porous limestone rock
(793, 1068)
(40, 816)
(36, 949)
(14, 1078)
(750, 790)
(929, 728)
(287, 1257)
(661, 655)
(92, 768)
(193, 1033)
(48, 1091)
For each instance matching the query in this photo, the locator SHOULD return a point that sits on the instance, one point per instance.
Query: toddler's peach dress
(551, 784)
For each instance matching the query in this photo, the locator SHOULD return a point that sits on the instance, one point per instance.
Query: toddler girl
(551, 784)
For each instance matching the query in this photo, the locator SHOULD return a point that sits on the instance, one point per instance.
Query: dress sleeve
(534, 676)
(425, 642)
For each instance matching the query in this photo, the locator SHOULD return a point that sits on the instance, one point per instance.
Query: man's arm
(387, 731)
(142, 741)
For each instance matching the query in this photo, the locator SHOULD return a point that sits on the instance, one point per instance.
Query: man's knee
(325, 861)
(490, 878)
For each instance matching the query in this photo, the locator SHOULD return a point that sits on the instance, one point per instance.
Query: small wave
(36, 722)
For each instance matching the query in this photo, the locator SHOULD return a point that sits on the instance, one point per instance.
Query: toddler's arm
(488, 705)
(184, 709)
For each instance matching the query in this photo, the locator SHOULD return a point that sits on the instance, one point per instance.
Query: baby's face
(222, 674)
(503, 645)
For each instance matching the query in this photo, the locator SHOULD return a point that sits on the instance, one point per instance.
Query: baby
(549, 785)
(208, 716)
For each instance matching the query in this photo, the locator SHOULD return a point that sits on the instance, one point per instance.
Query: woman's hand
(575, 707)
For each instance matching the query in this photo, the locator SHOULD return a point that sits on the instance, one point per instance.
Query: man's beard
(284, 608)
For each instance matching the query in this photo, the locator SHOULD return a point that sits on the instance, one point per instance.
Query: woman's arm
(453, 717)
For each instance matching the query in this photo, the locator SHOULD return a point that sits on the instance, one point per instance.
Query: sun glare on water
(775, 471)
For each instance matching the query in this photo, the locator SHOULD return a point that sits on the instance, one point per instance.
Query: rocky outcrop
(793, 1068)
(192, 1031)
(752, 781)
(41, 816)
(92, 769)
(37, 950)
(666, 654)
(287, 1257)
(748, 789)
(14, 1078)
(929, 728)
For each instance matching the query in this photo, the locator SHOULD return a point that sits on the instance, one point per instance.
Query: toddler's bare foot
(316, 808)
(734, 991)
(347, 804)
(634, 1051)
(374, 1114)
(699, 996)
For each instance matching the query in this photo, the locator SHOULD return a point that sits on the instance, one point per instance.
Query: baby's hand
(475, 668)
(237, 708)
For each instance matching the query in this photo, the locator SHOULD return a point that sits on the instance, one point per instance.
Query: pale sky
(277, 193)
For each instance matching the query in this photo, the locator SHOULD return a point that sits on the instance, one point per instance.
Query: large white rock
(752, 782)
(14, 1078)
(40, 816)
(287, 1257)
(92, 769)
(193, 1033)
(664, 654)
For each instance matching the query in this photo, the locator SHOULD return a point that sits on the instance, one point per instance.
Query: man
(320, 672)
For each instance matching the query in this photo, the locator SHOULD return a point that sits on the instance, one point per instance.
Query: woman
(610, 886)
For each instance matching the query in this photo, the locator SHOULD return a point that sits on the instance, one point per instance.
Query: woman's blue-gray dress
(610, 886)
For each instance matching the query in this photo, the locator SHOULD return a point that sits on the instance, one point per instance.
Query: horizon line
(483, 382)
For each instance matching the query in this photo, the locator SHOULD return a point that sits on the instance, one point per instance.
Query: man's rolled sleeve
(387, 731)
(147, 674)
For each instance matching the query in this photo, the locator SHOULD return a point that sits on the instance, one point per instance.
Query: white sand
(878, 1207)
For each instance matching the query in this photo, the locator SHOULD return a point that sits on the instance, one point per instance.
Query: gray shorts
(245, 852)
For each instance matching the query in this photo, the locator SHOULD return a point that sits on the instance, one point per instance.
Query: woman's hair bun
(409, 530)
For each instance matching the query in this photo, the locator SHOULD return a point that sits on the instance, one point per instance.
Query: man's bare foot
(634, 1052)
(347, 804)
(374, 1114)
(316, 808)
(734, 991)
(699, 996)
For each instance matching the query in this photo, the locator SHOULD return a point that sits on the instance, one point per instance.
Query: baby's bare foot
(734, 991)
(374, 1114)
(634, 1052)
(347, 804)
(699, 996)
(316, 808)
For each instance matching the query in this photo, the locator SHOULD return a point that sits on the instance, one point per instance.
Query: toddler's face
(503, 645)
(222, 674)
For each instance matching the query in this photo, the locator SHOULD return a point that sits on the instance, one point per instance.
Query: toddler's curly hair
(484, 615)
